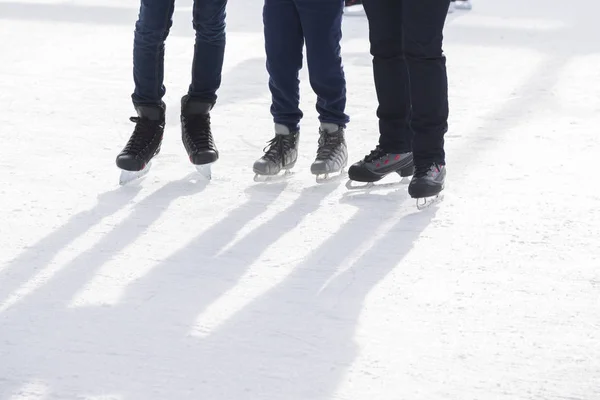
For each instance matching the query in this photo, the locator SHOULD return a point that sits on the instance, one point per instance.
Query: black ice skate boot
(379, 164)
(281, 153)
(145, 141)
(332, 153)
(196, 134)
(427, 182)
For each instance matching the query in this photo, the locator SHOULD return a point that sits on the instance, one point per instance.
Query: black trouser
(410, 75)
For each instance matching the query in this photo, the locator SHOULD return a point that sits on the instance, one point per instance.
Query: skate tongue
(281, 129)
(154, 113)
(329, 127)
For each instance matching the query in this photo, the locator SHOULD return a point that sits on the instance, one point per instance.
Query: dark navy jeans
(151, 31)
(288, 25)
(410, 75)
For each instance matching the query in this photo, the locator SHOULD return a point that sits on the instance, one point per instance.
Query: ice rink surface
(174, 289)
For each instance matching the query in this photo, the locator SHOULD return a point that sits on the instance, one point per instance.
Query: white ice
(176, 289)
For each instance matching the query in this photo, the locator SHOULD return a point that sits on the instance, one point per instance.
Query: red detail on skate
(378, 165)
(397, 157)
(387, 161)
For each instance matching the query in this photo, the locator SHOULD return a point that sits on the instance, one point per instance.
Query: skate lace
(198, 131)
(422, 170)
(145, 130)
(376, 153)
(328, 144)
(277, 147)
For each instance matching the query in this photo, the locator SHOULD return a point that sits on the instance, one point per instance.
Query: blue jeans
(151, 31)
(288, 24)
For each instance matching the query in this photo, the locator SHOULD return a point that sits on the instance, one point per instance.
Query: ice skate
(377, 165)
(332, 154)
(280, 155)
(145, 141)
(427, 184)
(196, 135)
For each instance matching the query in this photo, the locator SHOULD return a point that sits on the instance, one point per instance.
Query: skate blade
(426, 202)
(374, 185)
(205, 171)
(330, 177)
(273, 178)
(131, 176)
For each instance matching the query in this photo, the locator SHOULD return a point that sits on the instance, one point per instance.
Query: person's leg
(209, 49)
(390, 74)
(284, 41)
(151, 31)
(393, 154)
(322, 27)
(423, 35)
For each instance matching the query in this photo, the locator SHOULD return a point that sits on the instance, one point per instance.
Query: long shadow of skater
(132, 349)
(205, 269)
(39, 256)
(143, 215)
(296, 340)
